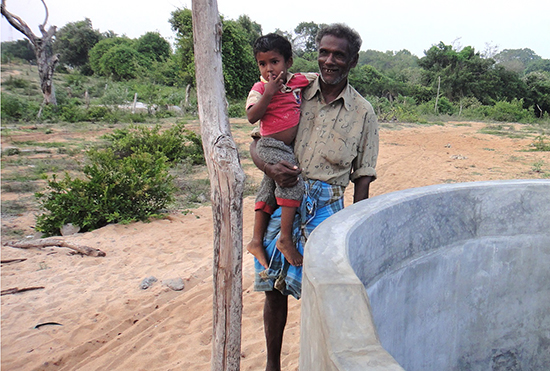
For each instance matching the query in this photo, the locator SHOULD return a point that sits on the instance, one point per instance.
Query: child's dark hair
(272, 41)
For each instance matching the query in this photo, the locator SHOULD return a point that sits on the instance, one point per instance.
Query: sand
(107, 322)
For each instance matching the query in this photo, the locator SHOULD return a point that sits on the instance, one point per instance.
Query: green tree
(166, 72)
(305, 63)
(538, 65)
(463, 73)
(74, 41)
(102, 47)
(18, 49)
(390, 63)
(122, 63)
(153, 46)
(182, 23)
(369, 81)
(239, 67)
(516, 59)
(304, 41)
(538, 86)
(252, 29)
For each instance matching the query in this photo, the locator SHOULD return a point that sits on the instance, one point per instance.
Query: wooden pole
(437, 96)
(227, 182)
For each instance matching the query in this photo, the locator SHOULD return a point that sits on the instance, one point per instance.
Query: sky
(383, 25)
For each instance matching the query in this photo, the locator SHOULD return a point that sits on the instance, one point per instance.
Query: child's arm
(257, 111)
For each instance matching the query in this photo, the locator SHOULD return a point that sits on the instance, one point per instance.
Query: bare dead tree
(227, 180)
(42, 46)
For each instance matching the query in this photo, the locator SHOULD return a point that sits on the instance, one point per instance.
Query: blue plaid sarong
(320, 201)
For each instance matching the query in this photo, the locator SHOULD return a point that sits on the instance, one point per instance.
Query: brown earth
(109, 323)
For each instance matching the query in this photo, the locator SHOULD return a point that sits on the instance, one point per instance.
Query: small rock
(147, 282)
(69, 229)
(175, 284)
(459, 157)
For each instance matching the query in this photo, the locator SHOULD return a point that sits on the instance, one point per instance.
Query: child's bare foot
(256, 248)
(287, 247)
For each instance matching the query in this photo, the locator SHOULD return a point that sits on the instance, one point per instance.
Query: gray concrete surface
(446, 277)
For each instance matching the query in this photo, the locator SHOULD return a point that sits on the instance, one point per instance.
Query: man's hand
(283, 173)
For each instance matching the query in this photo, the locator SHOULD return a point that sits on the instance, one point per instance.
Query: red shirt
(283, 112)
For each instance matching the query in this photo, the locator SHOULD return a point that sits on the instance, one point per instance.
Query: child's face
(271, 63)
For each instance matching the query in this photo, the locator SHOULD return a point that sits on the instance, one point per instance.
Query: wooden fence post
(227, 182)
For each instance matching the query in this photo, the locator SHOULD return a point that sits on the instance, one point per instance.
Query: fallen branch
(55, 241)
(8, 261)
(15, 290)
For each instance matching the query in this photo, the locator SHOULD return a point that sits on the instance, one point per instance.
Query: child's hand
(274, 84)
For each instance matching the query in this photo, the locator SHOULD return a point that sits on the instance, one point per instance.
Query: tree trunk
(42, 46)
(227, 181)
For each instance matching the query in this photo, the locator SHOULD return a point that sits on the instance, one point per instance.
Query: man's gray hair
(341, 31)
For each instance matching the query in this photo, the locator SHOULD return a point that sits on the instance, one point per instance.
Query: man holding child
(336, 141)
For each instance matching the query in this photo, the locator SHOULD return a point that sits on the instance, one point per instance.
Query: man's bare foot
(287, 247)
(256, 248)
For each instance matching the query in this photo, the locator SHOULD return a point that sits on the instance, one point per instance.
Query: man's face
(335, 60)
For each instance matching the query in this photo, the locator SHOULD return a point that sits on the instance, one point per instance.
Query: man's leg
(275, 315)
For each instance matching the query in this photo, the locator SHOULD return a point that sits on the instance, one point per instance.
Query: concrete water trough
(446, 277)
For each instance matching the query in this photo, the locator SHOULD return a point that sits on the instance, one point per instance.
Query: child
(275, 102)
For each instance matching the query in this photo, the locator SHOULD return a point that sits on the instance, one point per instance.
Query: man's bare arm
(361, 190)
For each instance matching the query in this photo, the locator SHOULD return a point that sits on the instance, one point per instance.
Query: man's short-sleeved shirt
(336, 142)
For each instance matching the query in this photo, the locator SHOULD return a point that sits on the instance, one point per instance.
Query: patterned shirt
(336, 142)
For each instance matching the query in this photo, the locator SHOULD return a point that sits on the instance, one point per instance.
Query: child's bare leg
(285, 244)
(256, 245)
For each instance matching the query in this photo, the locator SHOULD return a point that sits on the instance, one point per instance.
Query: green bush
(236, 110)
(541, 144)
(444, 106)
(126, 182)
(115, 190)
(135, 117)
(175, 143)
(73, 113)
(97, 113)
(12, 107)
(15, 82)
(509, 111)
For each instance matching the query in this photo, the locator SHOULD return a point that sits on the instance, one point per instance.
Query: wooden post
(227, 182)
(135, 102)
(437, 96)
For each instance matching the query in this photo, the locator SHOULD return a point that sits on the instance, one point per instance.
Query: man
(337, 141)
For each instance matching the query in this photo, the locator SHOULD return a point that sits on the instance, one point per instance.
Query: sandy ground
(108, 323)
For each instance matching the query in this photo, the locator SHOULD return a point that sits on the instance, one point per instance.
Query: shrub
(444, 106)
(175, 143)
(541, 144)
(509, 111)
(97, 112)
(236, 110)
(115, 190)
(73, 113)
(16, 82)
(12, 107)
(126, 182)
